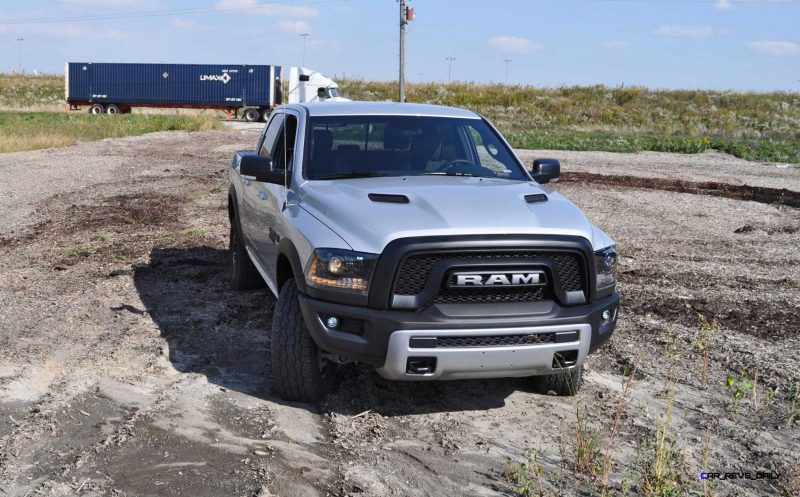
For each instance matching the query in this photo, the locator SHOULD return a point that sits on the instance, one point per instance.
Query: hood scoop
(389, 198)
(535, 198)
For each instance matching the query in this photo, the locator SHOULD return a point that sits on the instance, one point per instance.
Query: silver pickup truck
(411, 238)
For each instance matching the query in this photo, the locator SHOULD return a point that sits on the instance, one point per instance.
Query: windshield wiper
(352, 174)
(445, 173)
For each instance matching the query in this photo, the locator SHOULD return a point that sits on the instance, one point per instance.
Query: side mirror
(546, 170)
(322, 93)
(256, 167)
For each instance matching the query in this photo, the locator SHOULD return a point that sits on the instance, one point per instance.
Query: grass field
(756, 126)
(34, 130)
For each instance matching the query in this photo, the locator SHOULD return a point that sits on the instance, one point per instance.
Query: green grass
(35, 130)
(754, 126)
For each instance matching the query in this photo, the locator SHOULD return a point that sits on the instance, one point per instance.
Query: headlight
(606, 262)
(340, 270)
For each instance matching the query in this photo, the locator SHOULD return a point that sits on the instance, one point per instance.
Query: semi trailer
(251, 91)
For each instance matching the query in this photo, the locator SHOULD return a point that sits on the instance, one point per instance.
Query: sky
(702, 44)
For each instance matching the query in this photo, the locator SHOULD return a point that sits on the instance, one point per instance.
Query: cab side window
(268, 144)
(283, 155)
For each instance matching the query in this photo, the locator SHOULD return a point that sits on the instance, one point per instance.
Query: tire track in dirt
(778, 196)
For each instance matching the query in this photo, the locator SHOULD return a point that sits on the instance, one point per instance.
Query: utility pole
(507, 61)
(304, 35)
(19, 54)
(449, 60)
(402, 76)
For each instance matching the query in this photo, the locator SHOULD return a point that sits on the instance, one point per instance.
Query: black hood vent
(535, 198)
(390, 198)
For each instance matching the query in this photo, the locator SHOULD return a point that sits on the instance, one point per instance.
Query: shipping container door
(257, 86)
(79, 81)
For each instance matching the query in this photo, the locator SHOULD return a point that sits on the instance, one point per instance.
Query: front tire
(299, 372)
(244, 275)
(565, 383)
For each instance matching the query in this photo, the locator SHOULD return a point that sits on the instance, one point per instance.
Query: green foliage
(34, 130)
(754, 126)
(527, 477)
(76, 251)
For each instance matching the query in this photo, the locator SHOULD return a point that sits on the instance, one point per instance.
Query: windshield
(366, 146)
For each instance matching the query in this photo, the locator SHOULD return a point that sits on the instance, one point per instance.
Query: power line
(168, 12)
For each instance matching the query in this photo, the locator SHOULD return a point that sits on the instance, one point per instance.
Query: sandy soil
(128, 366)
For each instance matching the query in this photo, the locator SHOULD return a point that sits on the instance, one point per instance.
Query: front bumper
(384, 338)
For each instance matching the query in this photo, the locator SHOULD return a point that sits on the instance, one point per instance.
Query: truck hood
(438, 205)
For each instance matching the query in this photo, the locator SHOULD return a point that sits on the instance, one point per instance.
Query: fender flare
(233, 201)
(287, 249)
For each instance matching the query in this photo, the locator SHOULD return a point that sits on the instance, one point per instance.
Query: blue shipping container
(173, 85)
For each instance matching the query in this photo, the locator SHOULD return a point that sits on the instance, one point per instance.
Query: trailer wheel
(113, 110)
(97, 109)
(252, 115)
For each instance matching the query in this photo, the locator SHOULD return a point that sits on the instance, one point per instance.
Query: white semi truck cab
(307, 85)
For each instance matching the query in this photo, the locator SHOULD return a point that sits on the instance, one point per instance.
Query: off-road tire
(565, 383)
(244, 275)
(295, 358)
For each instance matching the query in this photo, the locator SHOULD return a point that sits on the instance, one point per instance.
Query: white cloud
(183, 23)
(723, 5)
(514, 44)
(255, 7)
(614, 45)
(293, 27)
(684, 31)
(774, 47)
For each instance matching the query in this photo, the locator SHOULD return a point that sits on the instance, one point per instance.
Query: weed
(76, 251)
(586, 449)
(744, 386)
(196, 232)
(662, 462)
(527, 476)
(622, 402)
(794, 404)
(703, 344)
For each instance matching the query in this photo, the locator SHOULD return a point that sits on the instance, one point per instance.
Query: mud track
(128, 366)
(779, 196)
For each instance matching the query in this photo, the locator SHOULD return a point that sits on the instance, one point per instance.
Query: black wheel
(244, 275)
(299, 372)
(113, 110)
(566, 383)
(251, 115)
(97, 109)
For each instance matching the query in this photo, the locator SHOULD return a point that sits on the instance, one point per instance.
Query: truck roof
(383, 108)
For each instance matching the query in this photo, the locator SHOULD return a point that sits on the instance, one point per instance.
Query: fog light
(607, 314)
(332, 322)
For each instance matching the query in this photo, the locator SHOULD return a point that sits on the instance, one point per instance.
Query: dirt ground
(128, 366)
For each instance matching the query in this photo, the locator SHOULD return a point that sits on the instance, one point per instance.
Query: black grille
(496, 294)
(496, 341)
(414, 271)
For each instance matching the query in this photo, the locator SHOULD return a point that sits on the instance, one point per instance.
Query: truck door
(276, 195)
(256, 198)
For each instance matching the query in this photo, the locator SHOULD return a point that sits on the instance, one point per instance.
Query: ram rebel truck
(411, 238)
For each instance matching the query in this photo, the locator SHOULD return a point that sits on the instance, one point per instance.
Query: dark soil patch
(780, 196)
